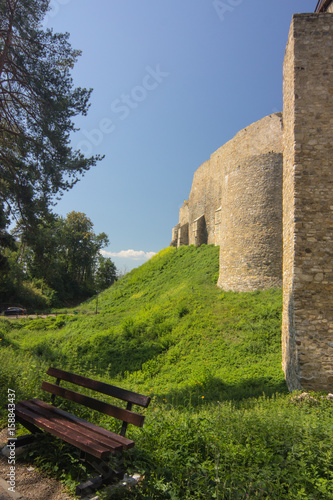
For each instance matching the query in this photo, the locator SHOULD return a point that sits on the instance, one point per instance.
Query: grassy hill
(221, 423)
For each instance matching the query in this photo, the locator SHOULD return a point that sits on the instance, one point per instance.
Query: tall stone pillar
(307, 336)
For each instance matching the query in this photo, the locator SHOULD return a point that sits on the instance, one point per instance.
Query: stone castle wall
(238, 197)
(307, 336)
(198, 212)
(251, 243)
(251, 214)
(204, 200)
(223, 210)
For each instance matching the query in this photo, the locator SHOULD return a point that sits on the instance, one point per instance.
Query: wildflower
(202, 397)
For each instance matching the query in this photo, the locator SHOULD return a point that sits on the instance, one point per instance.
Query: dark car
(14, 311)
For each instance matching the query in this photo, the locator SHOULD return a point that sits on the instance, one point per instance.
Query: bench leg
(16, 446)
(22, 440)
(31, 427)
(89, 486)
(107, 474)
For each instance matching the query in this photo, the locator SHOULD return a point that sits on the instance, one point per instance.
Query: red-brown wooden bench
(96, 443)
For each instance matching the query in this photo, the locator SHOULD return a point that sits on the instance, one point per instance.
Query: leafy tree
(106, 273)
(43, 253)
(57, 261)
(82, 247)
(6, 240)
(62, 254)
(37, 104)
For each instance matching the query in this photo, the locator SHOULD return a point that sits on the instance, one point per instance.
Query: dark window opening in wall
(199, 229)
(183, 235)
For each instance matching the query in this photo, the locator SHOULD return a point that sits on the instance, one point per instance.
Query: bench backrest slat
(110, 390)
(95, 404)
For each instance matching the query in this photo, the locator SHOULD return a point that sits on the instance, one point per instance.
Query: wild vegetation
(59, 263)
(221, 423)
(38, 107)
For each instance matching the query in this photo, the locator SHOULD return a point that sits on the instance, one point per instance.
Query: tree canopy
(61, 257)
(81, 246)
(38, 106)
(38, 102)
(106, 273)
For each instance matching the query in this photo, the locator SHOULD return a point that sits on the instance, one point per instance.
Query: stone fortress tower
(266, 198)
(307, 330)
(236, 202)
(250, 232)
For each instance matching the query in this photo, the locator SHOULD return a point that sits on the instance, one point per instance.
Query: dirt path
(35, 316)
(29, 483)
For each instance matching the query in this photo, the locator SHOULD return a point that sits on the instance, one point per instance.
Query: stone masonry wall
(236, 202)
(205, 198)
(251, 243)
(251, 214)
(307, 330)
(204, 207)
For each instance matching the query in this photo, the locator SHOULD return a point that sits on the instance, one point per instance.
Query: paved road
(34, 316)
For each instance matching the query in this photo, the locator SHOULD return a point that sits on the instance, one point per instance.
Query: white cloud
(129, 254)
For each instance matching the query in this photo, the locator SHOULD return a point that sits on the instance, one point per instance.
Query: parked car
(14, 311)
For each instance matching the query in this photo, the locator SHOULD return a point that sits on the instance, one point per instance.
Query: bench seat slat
(56, 417)
(95, 404)
(123, 441)
(110, 390)
(75, 438)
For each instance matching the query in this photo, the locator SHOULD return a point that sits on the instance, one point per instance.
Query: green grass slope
(221, 423)
(167, 328)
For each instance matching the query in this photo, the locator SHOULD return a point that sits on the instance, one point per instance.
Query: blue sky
(173, 81)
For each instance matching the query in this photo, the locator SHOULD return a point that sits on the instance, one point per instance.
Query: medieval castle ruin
(266, 198)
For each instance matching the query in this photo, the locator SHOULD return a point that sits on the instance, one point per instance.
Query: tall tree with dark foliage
(38, 102)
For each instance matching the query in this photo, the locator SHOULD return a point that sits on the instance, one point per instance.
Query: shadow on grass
(115, 358)
(215, 390)
(129, 357)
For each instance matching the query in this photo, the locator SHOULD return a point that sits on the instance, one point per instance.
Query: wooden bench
(92, 440)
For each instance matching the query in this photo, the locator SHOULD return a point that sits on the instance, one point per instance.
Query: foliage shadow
(215, 390)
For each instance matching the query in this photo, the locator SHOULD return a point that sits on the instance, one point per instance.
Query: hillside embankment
(221, 423)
